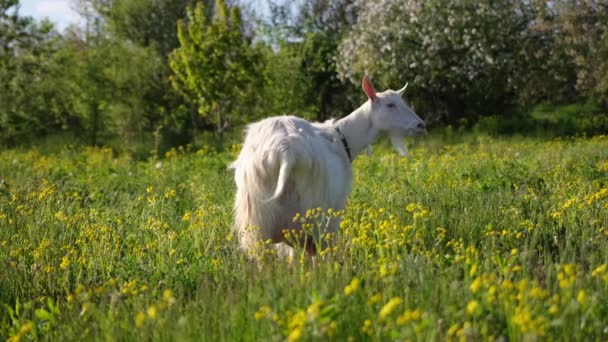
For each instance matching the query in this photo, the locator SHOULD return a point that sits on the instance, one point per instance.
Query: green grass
(480, 239)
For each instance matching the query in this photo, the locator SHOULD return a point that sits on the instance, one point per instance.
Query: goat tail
(284, 171)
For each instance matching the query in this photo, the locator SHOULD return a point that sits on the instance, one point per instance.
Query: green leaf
(44, 315)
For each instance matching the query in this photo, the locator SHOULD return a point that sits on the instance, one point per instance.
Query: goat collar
(345, 143)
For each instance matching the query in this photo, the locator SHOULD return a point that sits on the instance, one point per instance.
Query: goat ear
(402, 90)
(368, 88)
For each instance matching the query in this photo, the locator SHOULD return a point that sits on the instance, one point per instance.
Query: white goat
(288, 165)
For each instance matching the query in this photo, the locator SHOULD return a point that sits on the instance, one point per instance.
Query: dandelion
(566, 275)
(152, 312)
(473, 308)
(600, 270)
(263, 312)
(331, 329)
(352, 287)
(367, 327)
(295, 335)
(298, 320)
(140, 319)
(65, 262)
(473, 270)
(421, 214)
(170, 193)
(171, 153)
(538, 293)
(580, 297)
(314, 309)
(491, 295)
(375, 299)
(453, 329)
(23, 331)
(168, 296)
(522, 318)
(476, 285)
(389, 307)
(413, 207)
(553, 309)
(408, 316)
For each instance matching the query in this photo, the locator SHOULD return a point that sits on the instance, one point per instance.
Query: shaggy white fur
(288, 165)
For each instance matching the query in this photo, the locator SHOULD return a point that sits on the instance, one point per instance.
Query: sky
(60, 12)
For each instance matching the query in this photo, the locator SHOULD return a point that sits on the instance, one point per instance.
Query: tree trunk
(220, 129)
(94, 124)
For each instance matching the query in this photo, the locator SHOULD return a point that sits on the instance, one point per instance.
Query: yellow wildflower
(65, 262)
(367, 327)
(453, 329)
(263, 312)
(599, 270)
(152, 312)
(352, 287)
(168, 296)
(389, 307)
(473, 307)
(375, 298)
(476, 285)
(553, 309)
(409, 315)
(295, 335)
(473, 270)
(140, 319)
(581, 297)
(314, 309)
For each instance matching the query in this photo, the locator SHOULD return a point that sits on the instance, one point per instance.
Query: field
(473, 238)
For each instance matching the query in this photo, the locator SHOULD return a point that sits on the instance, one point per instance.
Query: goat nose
(421, 125)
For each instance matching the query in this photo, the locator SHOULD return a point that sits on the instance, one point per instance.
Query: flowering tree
(581, 30)
(462, 58)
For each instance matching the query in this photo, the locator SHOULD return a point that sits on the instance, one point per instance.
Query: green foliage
(323, 24)
(285, 85)
(144, 22)
(307, 42)
(97, 86)
(149, 75)
(549, 120)
(215, 66)
(481, 239)
(105, 84)
(28, 90)
(144, 33)
(329, 96)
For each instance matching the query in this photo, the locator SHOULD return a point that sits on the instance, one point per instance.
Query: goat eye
(390, 105)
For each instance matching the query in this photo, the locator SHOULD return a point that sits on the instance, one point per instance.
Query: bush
(552, 120)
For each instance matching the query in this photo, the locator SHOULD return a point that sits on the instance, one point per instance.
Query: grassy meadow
(472, 238)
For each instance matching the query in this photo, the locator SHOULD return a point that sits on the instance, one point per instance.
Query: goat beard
(398, 144)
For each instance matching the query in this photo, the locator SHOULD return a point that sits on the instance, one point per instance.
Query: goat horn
(402, 90)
